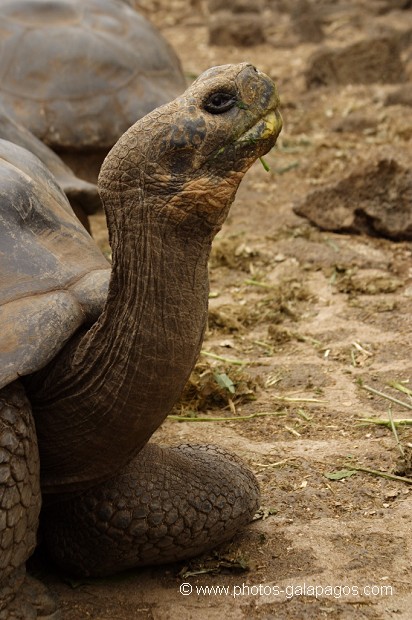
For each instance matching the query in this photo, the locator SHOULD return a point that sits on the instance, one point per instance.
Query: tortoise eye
(220, 102)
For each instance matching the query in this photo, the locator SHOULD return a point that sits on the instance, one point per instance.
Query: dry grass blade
(238, 418)
(381, 474)
(304, 415)
(382, 422)
(292, 431)
(288, 399)
(277, 464)
(259, 283)
(387, 396)
(227, 360)
(401, 388)
(395, 434)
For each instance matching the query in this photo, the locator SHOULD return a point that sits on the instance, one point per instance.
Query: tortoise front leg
(21, 598)
(167, 505)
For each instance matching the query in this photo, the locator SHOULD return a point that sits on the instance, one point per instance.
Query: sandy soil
(317, 316)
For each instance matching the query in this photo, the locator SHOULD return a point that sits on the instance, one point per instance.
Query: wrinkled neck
(149, 335)
(153, 322)
(110, 388)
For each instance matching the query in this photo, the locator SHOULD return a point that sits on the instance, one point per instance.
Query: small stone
(401, 96)
(243, 29)
(305, 22)
(375, 200)
(372, 60)
(235, 6)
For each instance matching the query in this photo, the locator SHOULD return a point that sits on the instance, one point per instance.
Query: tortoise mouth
(254, 142)
(268, 127)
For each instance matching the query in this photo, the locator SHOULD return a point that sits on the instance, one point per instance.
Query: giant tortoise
(83, 196)
(99, 362)
(78, 74)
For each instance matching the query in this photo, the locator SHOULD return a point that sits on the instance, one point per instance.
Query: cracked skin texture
(111, 500)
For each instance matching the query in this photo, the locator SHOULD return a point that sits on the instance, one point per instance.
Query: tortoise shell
(53, 277)
(78, 74)
(81, 194)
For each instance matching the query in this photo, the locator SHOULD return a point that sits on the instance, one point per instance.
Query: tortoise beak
(267, 128)
(273, 124)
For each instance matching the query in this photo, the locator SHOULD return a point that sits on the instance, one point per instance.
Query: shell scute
(44, 253)
(66, 66)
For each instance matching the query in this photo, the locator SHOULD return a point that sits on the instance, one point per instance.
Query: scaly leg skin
(21, 597)
(169, 504)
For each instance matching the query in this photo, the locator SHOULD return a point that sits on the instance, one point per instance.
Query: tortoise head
(191, 154)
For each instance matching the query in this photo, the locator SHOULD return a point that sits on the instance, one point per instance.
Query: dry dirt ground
(315, 318)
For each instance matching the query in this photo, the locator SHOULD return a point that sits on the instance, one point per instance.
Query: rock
(235, 22)
(241, 29)
(401, 96)
(369, 282)
(356, 123)
(376, 200)
(364, 62)
(401, 34)
(305, 22)
(235, 6)
(385, 6)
